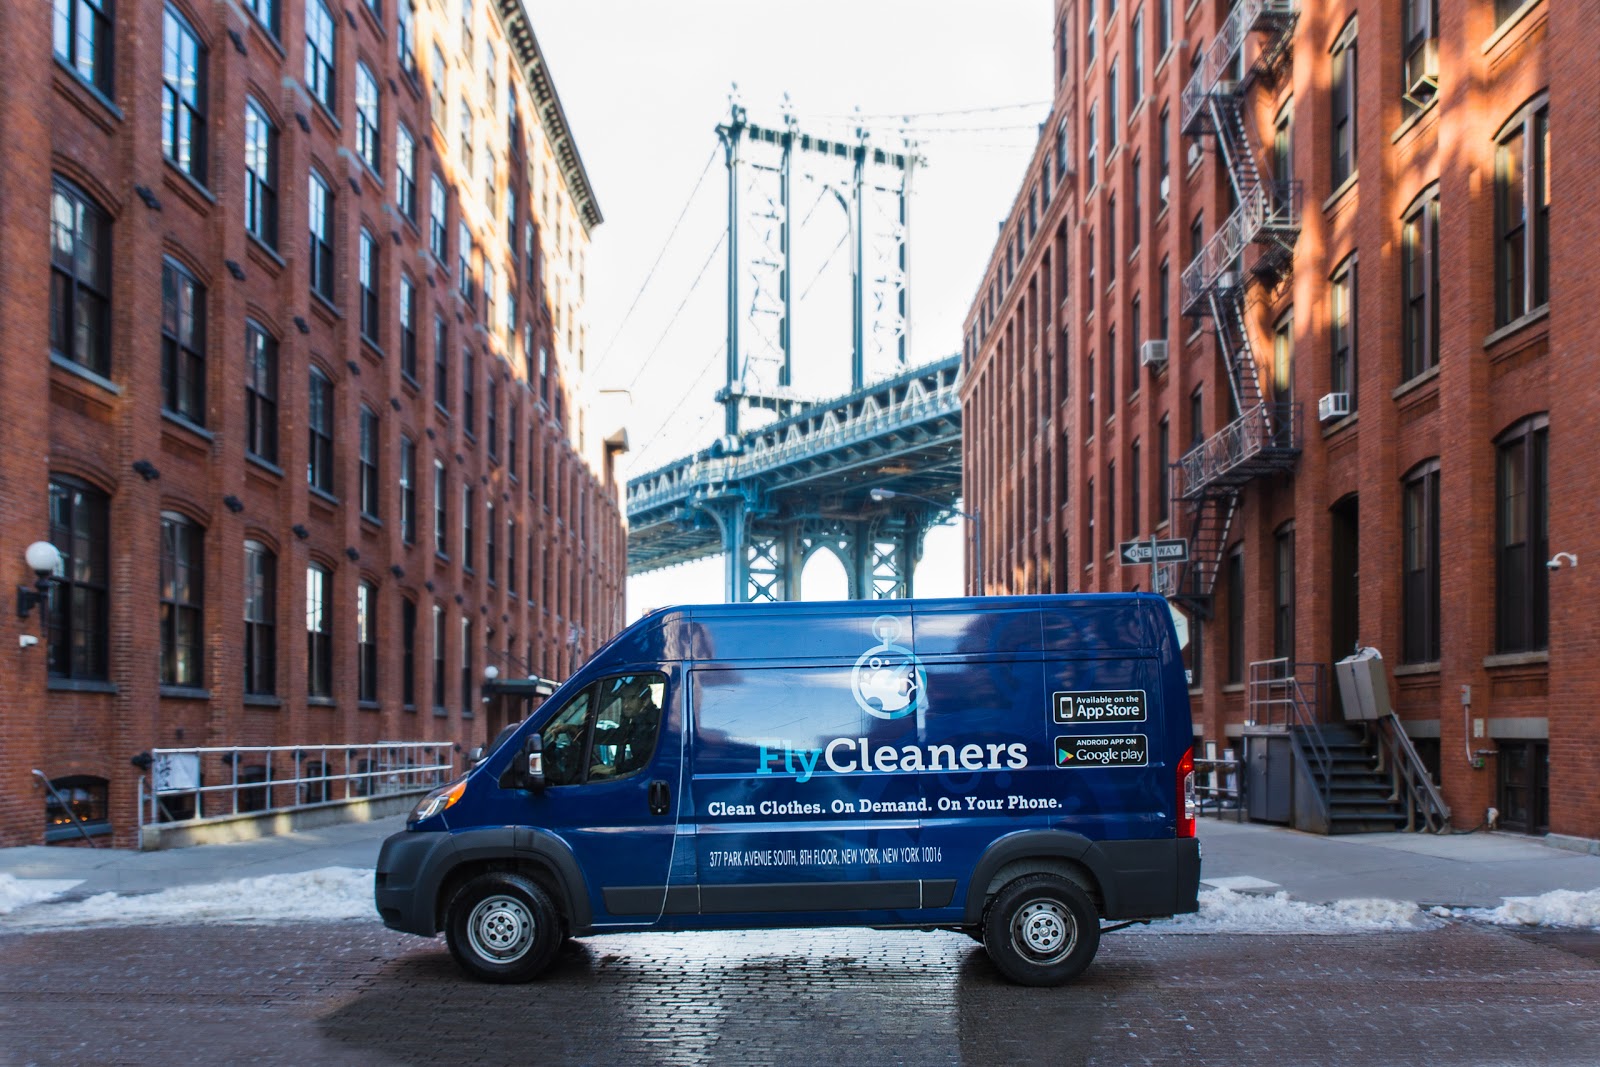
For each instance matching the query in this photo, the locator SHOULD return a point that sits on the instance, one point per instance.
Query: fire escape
(1256, 243)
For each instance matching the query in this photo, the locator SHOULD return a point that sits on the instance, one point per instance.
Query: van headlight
(439, 800)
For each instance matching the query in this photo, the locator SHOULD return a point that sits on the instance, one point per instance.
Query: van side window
(607, 732)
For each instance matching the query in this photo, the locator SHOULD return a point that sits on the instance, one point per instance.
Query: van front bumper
(406, 883)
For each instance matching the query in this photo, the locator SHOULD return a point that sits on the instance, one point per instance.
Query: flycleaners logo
(888, 679)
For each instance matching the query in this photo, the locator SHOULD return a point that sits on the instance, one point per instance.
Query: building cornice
(519, 31)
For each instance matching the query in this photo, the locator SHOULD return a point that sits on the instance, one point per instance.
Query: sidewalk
(1472, 870)
(103, 870)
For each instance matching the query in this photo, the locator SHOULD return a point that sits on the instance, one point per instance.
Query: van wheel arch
(541, 874)
(1055, 852)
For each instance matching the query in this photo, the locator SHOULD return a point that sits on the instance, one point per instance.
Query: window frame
(1522, 622)
(320, 456)
(260, 619)
(1343, 330)
(366, 642)
(405, 170)
(320, 224)
(98, 68)
(369, 280)
(1521, 221)
(408, 327)
(183, 94)
(1419, 564)
(369, 451)
(408, 490)
(1419, 281)
(260, 174)
(319, 631)
(1283, 592)
(369, 118)
(79, 601)
(261, 392)
(322, 48)
(83, 320)
(1342, 101)
(183, 343)
(182, 598)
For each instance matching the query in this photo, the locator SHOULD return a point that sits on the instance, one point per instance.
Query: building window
(1524, 786)
(1420, 565)
(260, 175)
(1136, 208)
(320, 214)
(1235, 577)
(469, 403)
(439, 86)
(408, 327)
(1522, 542)
(1113, 108)
(319, 632)
(1109, 527)
(1342, 326)
(260, 620)
(440, 508)
(1094, 145)
(405, 168)
(438, 658)
(437, 219)
(1343, 100)
(1164, 299)
(491, 401)
(468, 504)
(320, 33)
(1504, 9)
(464, 262)
(183, 95)
(1197, 417)
(466, 668)
(1163, 471)
(78, 599)
(1164, 154)
(511, 556)
(1089, 36)
(77, 800)
(1111, 239)
(1419, 277)
(1419, 50)
(80, 279)
(1163, 26)
(366, 643)
(1135, 491)
(464, 133)
(513, 431)
(319, 461)
(1283, 154)
(490, 284)
(83, 40)
(183, 343)
(369, 462)
(261, 393)
(1136, 85)
(1063, 147)
(1282, 369)
(1522, 216)
(408, 490)
(406, 36)
(441, 370)
(491, 547)
(1135, 335)
(367, 117)
(1283, 592)
(182, 594)
(408, 654)
(368, 271)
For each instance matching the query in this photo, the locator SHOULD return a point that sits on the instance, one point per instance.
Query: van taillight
(1186, 795)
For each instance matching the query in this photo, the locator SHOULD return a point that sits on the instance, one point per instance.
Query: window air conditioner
(1194, 153)
(1422, 73)
(1153, 354)
(1165, 188)
(1228, 280)
(1333, 406)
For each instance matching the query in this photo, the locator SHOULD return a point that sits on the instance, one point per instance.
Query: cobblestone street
(354, 993)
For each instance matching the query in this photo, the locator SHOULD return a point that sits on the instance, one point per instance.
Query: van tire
(1041, 930)
(502, 927)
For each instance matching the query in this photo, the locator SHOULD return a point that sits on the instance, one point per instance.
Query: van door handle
(660, 797)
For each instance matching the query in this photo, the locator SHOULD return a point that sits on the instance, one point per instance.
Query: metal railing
(1265, 211)
(1219, 784)
(200, 784)
(1264, 426)
(1413, 785)
(65, 805)
(1220, 55)
(1292, 697)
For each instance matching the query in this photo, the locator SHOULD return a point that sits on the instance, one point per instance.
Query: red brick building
(1309, 285)
(291, 306)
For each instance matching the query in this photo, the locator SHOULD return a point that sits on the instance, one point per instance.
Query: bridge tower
(791, 474)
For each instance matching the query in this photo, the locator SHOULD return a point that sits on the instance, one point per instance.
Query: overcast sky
(645, 84)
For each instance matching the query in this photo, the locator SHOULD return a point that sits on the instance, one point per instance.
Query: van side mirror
(533, 765)
(475, 757)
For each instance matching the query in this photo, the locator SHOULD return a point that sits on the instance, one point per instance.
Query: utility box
(1269, 763)
(1363, 686)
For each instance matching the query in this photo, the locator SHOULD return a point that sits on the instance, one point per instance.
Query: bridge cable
(681, 305)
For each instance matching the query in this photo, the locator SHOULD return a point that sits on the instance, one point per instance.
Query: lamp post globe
(43, 558)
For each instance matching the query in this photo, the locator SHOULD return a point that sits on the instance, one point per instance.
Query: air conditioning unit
(1153, 354)
(1333, 406)
(1228, 279)
(1422, 73)
(1194, 153)
(1165, 188)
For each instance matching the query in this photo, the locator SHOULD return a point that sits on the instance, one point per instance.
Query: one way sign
(1135, 553)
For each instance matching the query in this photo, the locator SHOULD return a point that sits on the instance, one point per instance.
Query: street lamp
(43, 558)
(879, 494)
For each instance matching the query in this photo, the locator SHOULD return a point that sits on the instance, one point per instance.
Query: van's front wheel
(501, 927)
(1041, 930)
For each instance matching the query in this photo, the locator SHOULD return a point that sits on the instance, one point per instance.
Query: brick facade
(557, 588)
(1039, 466)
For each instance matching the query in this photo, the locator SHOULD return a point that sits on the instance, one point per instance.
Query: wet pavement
(355, 993)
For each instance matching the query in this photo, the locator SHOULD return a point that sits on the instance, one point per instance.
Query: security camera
(1556, 560)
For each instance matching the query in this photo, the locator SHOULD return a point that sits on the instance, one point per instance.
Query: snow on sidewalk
(329, 894)
(20, 892)
(1222, 911)
(1568, 908)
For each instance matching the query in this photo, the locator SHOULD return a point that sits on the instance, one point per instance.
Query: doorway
(1344, 586)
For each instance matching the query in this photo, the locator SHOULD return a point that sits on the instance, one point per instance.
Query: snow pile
(20, 892)
(1222, 911)
(1559, 907)
(329, 894)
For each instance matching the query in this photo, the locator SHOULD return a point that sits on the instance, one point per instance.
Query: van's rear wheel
(1041, 930)
(501, 927)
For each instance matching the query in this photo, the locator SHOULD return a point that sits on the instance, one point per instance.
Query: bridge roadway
(807, 475)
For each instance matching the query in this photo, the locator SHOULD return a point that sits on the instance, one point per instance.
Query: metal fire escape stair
(1261, 439)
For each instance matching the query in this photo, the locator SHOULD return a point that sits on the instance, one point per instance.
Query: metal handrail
(1220, 53)
(1412, 779)
(1263, 425)
(1275, 684)
(397, 766)
(1214, 786)
(77, 822)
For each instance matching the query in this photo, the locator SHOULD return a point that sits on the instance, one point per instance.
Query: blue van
(1016, 768)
